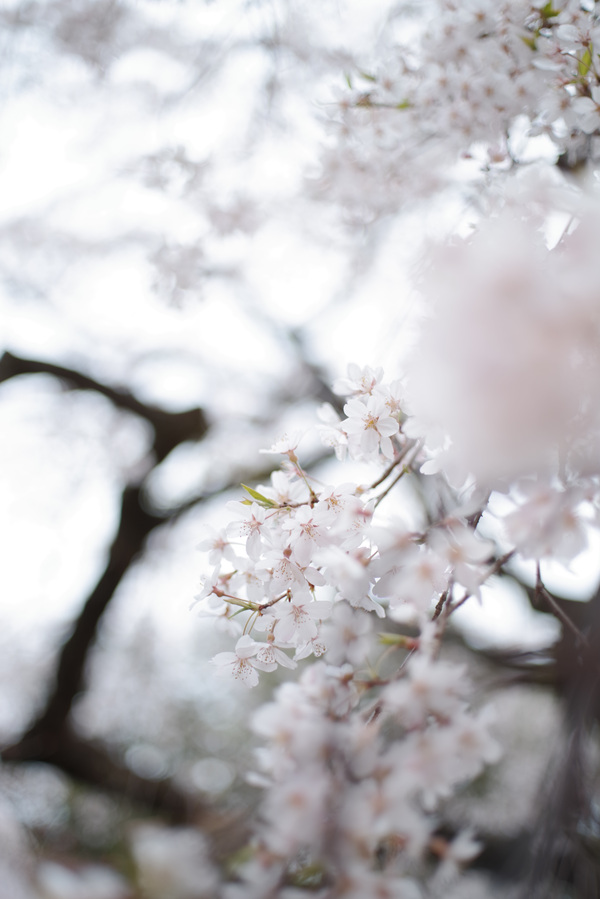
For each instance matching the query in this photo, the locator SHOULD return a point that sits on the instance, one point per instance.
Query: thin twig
(441, 604)
(494, 569)
(407, 447)
(562, 616)
(386, 473)
(406, 469)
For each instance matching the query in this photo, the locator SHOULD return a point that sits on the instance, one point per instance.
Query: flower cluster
(466, 74)
(505, 386)
(352, 809)
(300, 553)
(357, 758)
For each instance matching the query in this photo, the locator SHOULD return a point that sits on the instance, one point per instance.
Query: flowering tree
(495, 415)
(474, 461)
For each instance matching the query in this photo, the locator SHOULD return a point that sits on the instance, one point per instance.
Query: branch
(170, 428)
(91, 763)
(44, 737)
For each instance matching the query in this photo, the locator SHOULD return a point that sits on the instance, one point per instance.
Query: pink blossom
(240, 664)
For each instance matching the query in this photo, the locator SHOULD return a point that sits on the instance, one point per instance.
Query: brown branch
(566, 814)
(559, 612)
(89, 762)
(170, 428)
(49, 737)
(44, 737)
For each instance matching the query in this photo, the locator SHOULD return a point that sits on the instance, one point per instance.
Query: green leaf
(367, 76)
(401, 640)
(404, 104)
(309, 876)
(530, 41)
(258, 497)
(585, 63)
(239, 858)
(348, 80)
(548, 11)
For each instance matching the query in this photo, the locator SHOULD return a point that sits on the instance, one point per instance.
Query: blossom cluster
(466, 75)
(305, 559)
(357, 757)
(505, 385)
(352, 808)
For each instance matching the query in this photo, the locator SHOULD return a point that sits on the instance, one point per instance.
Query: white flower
(360, 381)
(286, 446)
(297, 618)
(216, 545)
(331, 431)
(308, 529)
(248, 580)
(251, 527)
(285, 490)
(172, 862)
(587, 110)
(360, 882)
(419, 576)
(240, 664)
(346, 572)
(284, 573)
(547, 523)
(347, 635)
(461, 850)
(296, 810)
(392, 396)
(431, 688)
(369, 427)
(270, 656)
(464, 551)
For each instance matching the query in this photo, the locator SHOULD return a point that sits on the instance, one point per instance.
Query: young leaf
(585, 63)
(258, 497)
(548, 11)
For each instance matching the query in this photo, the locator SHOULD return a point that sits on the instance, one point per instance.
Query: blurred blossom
(173, 863)
(506, 380)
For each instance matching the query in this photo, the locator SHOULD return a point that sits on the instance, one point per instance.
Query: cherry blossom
(241, 662)
(319, 569)
(307, 530)
(369, 427)
(217, 544)
(297, 618)
(360, 381)
(252, 527)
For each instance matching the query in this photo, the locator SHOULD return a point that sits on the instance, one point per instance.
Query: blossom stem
(562, 616)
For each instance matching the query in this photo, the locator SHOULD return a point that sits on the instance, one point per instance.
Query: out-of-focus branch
(170, 428)
(44, 737)
(50, 738)
(566, 815)
(91, 763)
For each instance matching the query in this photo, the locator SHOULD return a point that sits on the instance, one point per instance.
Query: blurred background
(183, 273)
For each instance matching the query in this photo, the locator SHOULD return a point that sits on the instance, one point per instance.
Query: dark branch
(91, 763)
(49, 738)
(44, 738)
(170, 428)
